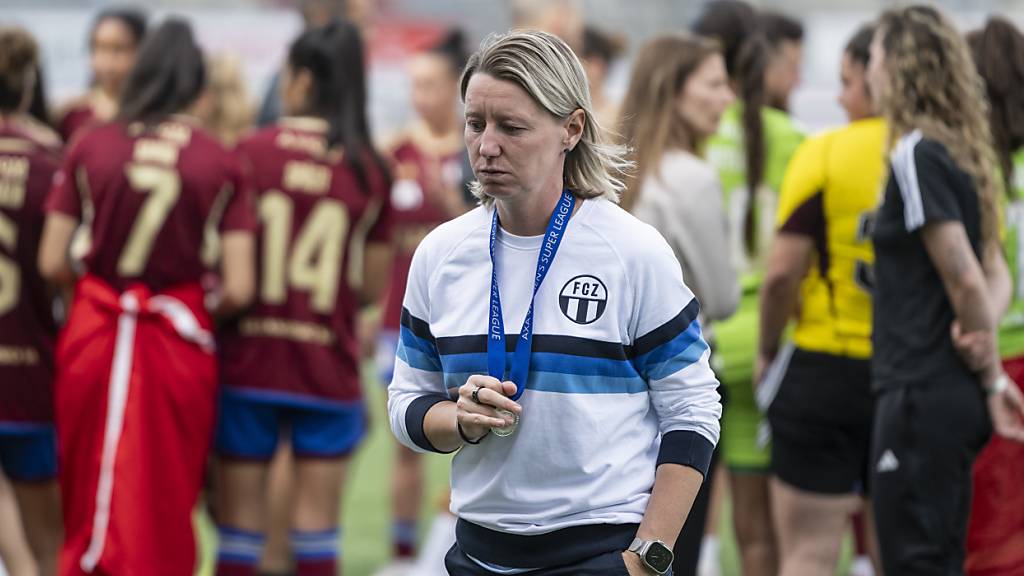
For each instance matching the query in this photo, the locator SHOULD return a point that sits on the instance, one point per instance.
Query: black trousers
(924, 444)
(610, 564)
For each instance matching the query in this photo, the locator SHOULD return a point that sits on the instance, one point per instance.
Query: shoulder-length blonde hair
(548, 70)
(650, 123)
(934, 87)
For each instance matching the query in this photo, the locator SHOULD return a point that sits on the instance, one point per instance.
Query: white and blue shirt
(619, 381)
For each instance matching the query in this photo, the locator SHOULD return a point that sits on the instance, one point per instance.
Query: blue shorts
(387, 347)
(29, 453)
(249, 425)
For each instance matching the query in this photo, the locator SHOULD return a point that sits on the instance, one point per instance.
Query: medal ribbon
(496, 326)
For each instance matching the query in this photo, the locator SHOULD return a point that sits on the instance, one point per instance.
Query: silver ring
(475, 392)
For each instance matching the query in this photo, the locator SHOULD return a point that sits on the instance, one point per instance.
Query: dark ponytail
(735, 24)
(333, 56)
(168, 75)
(750, 70)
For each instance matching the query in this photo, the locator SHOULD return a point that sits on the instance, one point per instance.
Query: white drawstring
(187, 326)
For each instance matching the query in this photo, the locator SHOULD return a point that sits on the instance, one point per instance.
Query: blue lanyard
(496, 337)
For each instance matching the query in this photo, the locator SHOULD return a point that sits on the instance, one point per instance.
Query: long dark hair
(168, 75)
(134, 20)
(333, 56)
(998, 52)
(746, 47)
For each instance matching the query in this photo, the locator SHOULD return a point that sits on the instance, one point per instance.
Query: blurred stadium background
(257, 33)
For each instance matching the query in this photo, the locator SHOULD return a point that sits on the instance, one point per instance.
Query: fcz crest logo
(583, 299)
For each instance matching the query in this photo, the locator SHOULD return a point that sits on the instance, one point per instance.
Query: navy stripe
(416, 326)
(559, 548)
(667, 331)
(686, 448)
(414, 416)
(572, 345)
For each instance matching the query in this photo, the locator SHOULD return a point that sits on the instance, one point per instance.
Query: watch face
(658, 557)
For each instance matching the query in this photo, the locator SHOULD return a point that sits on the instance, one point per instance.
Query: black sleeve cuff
(686, 448)
(414, 416)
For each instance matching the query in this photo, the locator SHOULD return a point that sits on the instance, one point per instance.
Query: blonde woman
(225, 108)
(936, 228)
(581, 451)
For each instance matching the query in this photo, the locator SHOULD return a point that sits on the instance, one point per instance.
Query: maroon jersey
(83, 112)
(152, 201)
(76, 118)
(421, 198)
(298, 342)
(28, 160)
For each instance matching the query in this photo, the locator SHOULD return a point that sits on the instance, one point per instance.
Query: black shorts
(820, 422)
(924, 445)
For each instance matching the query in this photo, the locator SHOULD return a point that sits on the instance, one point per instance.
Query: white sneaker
(862, 566)
(435, 547)
(397, 568)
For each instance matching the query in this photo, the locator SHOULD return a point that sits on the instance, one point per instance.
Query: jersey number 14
(314, 264)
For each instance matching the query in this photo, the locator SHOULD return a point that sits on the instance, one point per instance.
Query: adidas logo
(888, 462)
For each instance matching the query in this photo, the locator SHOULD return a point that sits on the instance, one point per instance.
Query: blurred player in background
(939, 277)
(293, 358)
(29, 156)
(600, 51)
(225, 109)
(995, 536)
(136, 375)
(427, 191)
(563, 18)
(315, 13)
(782, 75)
(677, 95)
(114, 40)
(818, 272)
(750, 151)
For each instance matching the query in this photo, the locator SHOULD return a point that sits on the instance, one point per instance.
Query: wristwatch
(654, 553)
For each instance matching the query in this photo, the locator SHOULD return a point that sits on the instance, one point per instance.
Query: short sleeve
(380, 231)
(800, 201)
(927, 180)
(240, 212)
(65, 197)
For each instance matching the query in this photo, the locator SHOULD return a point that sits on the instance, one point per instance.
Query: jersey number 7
(162, 186)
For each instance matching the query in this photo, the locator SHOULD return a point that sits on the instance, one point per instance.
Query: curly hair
(19, 55)
(998, 51)
(933, 86)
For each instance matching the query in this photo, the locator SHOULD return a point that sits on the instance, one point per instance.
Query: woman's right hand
(477, 419)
